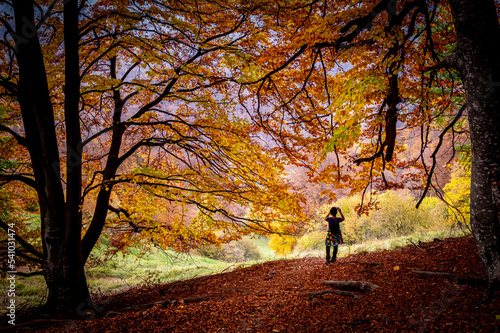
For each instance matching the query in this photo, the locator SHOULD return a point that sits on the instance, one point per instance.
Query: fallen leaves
(271, 297)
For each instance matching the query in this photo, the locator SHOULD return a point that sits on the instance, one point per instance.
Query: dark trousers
(335, 250)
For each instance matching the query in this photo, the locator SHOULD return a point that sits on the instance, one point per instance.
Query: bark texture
(477, 58)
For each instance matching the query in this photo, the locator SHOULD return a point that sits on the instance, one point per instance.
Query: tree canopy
(361, 89)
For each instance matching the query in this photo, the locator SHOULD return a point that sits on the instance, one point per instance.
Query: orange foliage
(164, 143)
(350, 81)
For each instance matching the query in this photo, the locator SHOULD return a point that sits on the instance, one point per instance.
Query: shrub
(396, 216)
(228, 253)
(457, 193)
(250, 249)
(211, 251)
(314, 240)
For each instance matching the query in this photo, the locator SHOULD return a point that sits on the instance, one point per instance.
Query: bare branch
(29, 274)
(433, 156)
(450, 61)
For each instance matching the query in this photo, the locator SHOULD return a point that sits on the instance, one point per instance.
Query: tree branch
(20, 139)
(119, 210)
(336, 292)
(21, 178)
(433, 156)
(29, 274)
(451, 61)
(21, 241)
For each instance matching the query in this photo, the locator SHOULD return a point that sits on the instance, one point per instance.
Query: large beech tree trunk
(61, 219)
(64, 250)
(477, 58)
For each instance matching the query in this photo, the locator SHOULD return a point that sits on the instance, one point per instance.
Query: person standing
(334, 235)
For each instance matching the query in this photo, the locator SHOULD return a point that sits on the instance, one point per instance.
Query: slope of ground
(271, 297)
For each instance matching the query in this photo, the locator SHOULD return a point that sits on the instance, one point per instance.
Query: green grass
(123, 272)
(29, 292)
(393, 243)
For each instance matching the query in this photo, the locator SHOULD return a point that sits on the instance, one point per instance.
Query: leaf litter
(272, 297)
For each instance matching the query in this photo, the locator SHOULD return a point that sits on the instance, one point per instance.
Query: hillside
(270, 297)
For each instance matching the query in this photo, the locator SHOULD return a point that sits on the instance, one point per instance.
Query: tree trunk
(477, 58)
(67, 284)
(60, 219)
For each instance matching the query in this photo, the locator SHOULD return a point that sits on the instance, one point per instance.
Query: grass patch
(29, 292)
(393, 243)
(137, 268)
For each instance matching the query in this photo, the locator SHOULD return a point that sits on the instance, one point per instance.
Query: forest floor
(272, 297)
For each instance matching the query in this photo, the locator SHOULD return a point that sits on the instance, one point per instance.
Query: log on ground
(336, 292)
(459, 279)
(351, 284)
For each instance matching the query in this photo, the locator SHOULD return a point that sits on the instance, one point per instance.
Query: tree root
(459, 279)
(336, 292)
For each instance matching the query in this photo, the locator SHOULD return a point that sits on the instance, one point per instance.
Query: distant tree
(458, 193)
